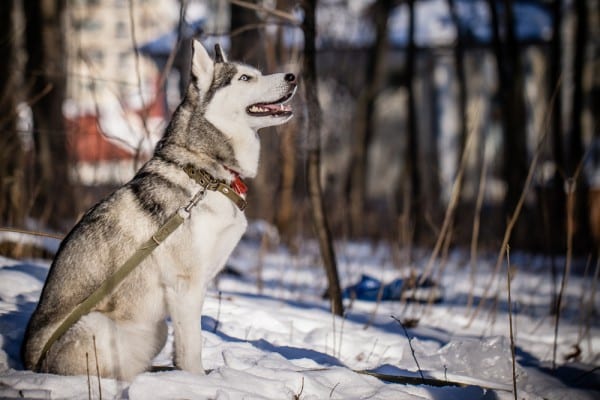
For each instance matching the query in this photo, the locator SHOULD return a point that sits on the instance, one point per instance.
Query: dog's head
(235, 94)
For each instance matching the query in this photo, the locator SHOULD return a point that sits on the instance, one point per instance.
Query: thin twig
(87, 370)
(411, 348)
(297, 396)
(274, 12)
(590, 307)
(508, 233)
(334, 346)
(570, 232)
(477, 225)
(585, 374)
(582, 300)
(30, 102)
(517, 211)
(339, 352)
(136, 150)
(218, 314)
(169, 64)
(34, 233)
(249, 27)
(333, 389)
(97, 368)
(375, 309)
(412, 380)
(452, 204)
(372, 350)
(510, 322)
(567, 268)
(138, 73)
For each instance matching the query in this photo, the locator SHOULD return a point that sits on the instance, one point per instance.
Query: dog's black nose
(290, 78)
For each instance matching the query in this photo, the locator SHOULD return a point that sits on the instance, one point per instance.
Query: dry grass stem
(510, 322)
(476, 226)
(299, 394)
(97, 368)
(274, 12)
(412, 350)
(218, 313)
(517, 212)
(567, 268)
(87, 370)
(450, 210)
(34, 233)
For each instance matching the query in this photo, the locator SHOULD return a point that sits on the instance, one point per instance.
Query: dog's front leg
(185, 307)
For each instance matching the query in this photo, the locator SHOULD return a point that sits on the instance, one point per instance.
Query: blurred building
(115, 112)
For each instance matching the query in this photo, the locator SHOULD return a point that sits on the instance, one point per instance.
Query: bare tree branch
(276, 13)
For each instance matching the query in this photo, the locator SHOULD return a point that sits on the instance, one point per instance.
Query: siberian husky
(213, 130)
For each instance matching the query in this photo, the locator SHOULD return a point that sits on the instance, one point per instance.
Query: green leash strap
(115, 279)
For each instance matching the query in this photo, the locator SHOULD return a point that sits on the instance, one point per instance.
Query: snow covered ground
(268, 334)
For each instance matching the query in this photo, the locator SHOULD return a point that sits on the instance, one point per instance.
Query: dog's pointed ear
(202, 66)
(220, 56)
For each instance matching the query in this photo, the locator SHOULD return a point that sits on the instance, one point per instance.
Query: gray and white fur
(214, 129)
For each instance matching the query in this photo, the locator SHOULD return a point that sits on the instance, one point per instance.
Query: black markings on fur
(159, 156)
(224, 73)
(219, 56)
(146, 186)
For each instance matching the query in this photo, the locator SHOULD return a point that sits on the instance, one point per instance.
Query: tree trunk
(45, 75)
(459, 65)
(460, 75)
(575, 137)
(555, 203)
(246, 46)
(365, 121)
(251, 45)
(575, 142)
(287, 212)
(510, 78)
(13, 198)
(409, 189)
(319, 217)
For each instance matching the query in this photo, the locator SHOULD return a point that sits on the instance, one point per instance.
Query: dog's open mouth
(277, 108)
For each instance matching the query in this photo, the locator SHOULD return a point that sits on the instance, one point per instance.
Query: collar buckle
(208, 182)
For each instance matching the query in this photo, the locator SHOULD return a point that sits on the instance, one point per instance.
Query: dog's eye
(245, 78)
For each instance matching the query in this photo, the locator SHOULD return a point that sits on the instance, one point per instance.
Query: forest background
(441, 122)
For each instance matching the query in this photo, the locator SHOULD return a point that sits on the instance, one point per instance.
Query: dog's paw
(197, 371)
(193, 368)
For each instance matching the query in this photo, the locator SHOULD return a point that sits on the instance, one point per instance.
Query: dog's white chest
(199, 250)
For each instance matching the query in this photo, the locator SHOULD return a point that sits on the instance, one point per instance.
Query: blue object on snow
(368, 289)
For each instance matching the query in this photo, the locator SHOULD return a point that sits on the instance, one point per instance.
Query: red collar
(238, 184)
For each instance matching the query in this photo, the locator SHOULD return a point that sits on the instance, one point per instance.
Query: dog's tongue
(277, 107)
(282, 107)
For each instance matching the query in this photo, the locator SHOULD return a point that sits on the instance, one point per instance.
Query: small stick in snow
(297, 396)
(372, 350)
(333, 389)
(87, 369)
(218, 314)
(567, 268)
(411, 347)
(97, 368)
(510, 322)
